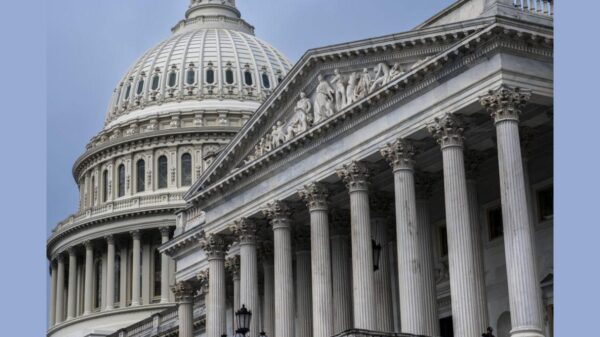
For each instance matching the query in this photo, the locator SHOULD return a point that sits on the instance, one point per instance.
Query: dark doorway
(446, 328)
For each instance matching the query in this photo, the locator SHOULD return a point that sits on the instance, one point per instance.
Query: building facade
(175, 108)
(395, 186)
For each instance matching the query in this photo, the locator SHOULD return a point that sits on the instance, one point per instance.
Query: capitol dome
(212, 61)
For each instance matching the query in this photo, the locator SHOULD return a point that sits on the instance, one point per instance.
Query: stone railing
(541, 7)
(367, 333)
(161, 324)
(121, 205)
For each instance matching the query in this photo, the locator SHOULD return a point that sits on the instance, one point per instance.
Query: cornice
(489, 40)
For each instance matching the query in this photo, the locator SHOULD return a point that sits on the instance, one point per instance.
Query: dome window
(172, 79)
(105, 186)
(229, 76)
(248, 80)
(190, 77)
(163, 168)
(155, 82)
(186, 169)
(141, 176)
(140, 87)
(210, 76)
(121, 177)
(128, 91)
(265, 80)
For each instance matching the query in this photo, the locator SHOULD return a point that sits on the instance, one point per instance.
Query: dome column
(72, 290)
(164, 267)
(60, 290)
(135, 274)
(89, 278)
(52, 304)
(110, 273)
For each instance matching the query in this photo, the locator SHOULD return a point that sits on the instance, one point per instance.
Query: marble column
(304, 306)
(269, 294)
(110, 273)
(279, 215)
(315, 195)
(88, 298)
(60, 289)
(472, 161)
(232, 265)
(184, 296)
(341, 271)
(215, 247)
(123, 278)
(135, 273)
(424, 185)
(356, 175)
(52, 304)
(164, 267)
(448, 132)
(72, 289)
(504, 105)
(245, 230)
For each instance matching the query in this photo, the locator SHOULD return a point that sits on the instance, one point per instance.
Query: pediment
(330, 84)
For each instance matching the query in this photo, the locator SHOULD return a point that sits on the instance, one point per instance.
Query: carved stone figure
(382, 76)
(362, 89)
(301, 119)
(329, 109)
(350, 88)
(340, 90)
(304, 105)
(396, 71)
(290, 134)
(277, 135)
(324, 94)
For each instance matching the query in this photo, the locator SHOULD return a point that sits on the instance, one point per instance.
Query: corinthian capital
(183, 291)
(232, 265)
(505, 103)
(400, 154)
(355, 175)
(215, 246)
(245, 230)
(315, 195)
(277, 211)
(447, 130)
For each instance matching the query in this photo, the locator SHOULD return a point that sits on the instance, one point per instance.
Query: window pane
(191, 77)
(172, 79)
(229, 76)
(266, 81)
(210, 76)
(104, 186)
(248, 78)
(141, 175)
(162, 172)
(155, 82)
(127, 91)
(186, 169)
(157, 273)
(121, 187)
(140, 87)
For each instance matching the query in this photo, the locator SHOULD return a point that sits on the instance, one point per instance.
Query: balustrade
(543, 7)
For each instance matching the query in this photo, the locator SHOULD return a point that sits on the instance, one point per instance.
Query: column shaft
(146, 260)
(110, 273)
(342, 283)
(185, 311)
(89, 279)
(304, 312)
(60, 290)
(284, 282)
(249, 281)
(123, 278)
(135, 274)
(269, 299)
(164, 268)
(383, 288)
(52, 304)
(393, 261)
(432, 326)
(72, 290)
(216, 315)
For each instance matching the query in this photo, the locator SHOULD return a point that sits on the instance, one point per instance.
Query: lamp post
(243, 317)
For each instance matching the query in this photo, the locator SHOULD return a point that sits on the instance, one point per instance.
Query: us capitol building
(396, 186)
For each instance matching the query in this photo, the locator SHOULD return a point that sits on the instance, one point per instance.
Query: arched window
(248, 78)
(172, 79)
(117, 289)
(121, 187)
(105, 186)
(163, 168)
(98, 285)
(186, 169)
(266, 81)
(210, 76)
(141, 175)
(155, 81)
(157, 273)
(190, 78)
(128, 91)
(93, 190)
(140, 87)
(229, 76)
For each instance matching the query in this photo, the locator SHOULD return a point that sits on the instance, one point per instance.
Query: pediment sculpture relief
(330, 97)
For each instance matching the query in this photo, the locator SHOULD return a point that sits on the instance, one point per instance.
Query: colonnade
(105, 274)
(332, 280)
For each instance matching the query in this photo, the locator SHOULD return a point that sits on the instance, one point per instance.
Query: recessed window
(545, 198)
(229, 76)
(119, 94)
(140, 87)
(495, 226)
(155, 81)
(186, 169)
(266, 81)
(172, 79)
(121, 178)
(104, 186)
(141, 175)
(443, 238)
(210, 76)
(190, 77)
(248, 78)
(163, 168)
(157, 273)
(128, 91)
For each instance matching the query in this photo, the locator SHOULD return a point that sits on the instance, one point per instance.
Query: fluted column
(279, 215)
(135, 273)
(448, 132)
(355, 175)
(473, 160)
(60, 289)
(72, 289)
(89, 278)
(315, 195)
(380, 206)
(341, 271)
(52, 304)
(424, 185)
(110, 273)
(215, 247)
(184, 296)
(164, 267)
(245, 230)
(505, 104)
(304, 311)
(232, 265)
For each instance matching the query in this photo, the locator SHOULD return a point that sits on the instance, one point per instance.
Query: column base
(526, 332)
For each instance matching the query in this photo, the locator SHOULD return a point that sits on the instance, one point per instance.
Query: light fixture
(243, 317)
(376, 254)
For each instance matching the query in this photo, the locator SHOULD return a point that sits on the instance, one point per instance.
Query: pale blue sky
(91, 44)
